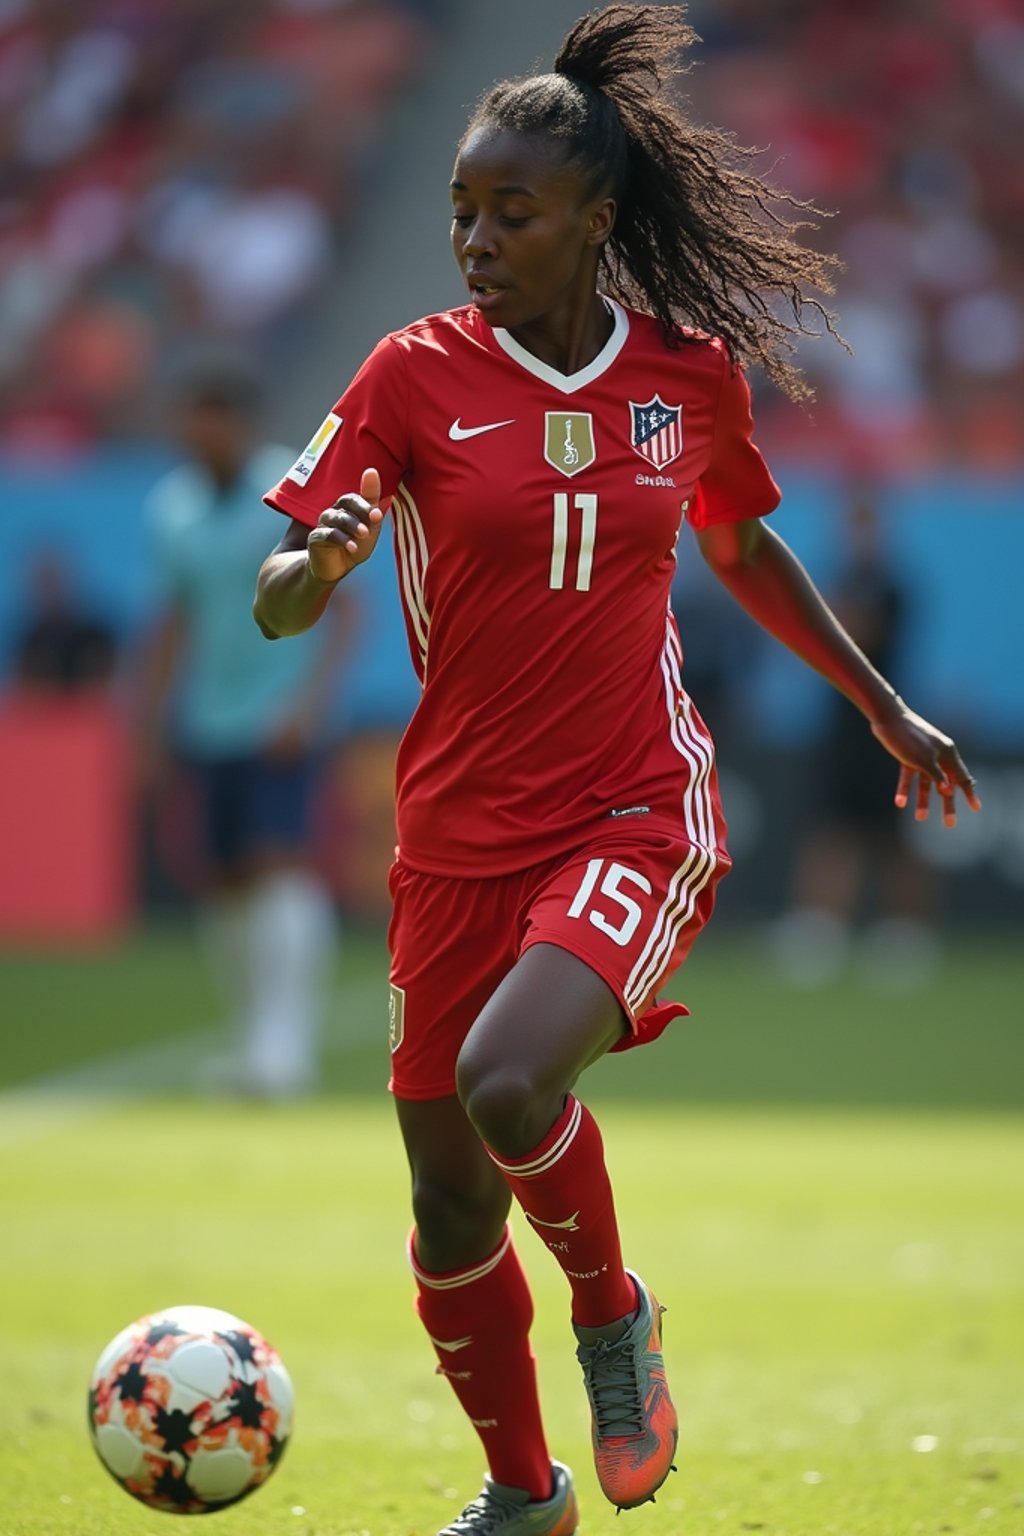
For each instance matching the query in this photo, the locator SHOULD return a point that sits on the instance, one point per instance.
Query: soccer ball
(190, 1409)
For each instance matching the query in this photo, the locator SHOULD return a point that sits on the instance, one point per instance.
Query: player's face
(525, 239)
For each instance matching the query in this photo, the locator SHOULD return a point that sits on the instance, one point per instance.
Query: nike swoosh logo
(568, 1225)
(452, 1344)
(459, 433)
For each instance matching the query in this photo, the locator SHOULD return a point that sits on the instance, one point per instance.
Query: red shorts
(629, 904)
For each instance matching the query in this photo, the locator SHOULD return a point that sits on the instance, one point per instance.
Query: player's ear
(601, 221)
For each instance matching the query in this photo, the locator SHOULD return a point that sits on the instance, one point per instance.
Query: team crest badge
(657, 431)
(569, 441)
(396, 1017)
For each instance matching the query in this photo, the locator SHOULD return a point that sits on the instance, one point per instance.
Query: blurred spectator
(63, 648)
(244, 719)
(904, 118)
(853, 864)
(172, 172)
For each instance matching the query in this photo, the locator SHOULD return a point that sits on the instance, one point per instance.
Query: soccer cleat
(511, 1512)
(634, 1429)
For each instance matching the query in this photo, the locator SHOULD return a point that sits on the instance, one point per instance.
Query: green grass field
(835, 1225)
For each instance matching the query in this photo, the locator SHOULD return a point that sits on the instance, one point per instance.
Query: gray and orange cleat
(503, 1511)
(634, 1429)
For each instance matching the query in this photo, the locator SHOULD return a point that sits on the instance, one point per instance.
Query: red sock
(564, 1189)
(478, 1320)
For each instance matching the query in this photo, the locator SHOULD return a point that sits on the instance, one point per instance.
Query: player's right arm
(297, 578)
(323, 544)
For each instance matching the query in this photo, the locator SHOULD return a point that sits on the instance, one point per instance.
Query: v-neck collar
(569, 383)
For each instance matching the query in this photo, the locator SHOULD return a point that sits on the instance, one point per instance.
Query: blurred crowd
(173, 170)
(183, 168)
(905, 118)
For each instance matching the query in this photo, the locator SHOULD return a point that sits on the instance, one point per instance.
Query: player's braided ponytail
(697, 240)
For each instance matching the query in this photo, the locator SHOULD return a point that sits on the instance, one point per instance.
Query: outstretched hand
(346, 533)
(930, 757)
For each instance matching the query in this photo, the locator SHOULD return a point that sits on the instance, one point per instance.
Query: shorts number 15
(612, 880)
(585, 503)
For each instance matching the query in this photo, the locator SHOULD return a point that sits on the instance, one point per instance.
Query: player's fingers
(344, 533)
(335, 525)
(369, 487)
(350, 506)
(349, 525)
(959, 776)
(903, 785)
(924, 791)
(947, 790)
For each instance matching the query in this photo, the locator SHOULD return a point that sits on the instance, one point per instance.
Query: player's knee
(506, 1108)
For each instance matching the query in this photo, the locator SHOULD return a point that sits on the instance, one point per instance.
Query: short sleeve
(368, 428)
(737, 483)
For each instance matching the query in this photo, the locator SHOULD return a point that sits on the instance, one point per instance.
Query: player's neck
(568, 339)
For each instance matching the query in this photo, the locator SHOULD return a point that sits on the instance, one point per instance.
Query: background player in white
(243, 726)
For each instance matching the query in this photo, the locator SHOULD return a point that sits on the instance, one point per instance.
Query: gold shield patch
(396, 1017)
(569, 441)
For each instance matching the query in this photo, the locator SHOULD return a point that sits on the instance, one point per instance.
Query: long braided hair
(697, 240)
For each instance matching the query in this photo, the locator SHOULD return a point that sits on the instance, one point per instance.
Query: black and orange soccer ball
(190, 1409)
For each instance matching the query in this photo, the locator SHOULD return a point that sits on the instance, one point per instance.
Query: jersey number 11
(585, 503)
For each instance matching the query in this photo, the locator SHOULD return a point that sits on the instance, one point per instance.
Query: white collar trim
(569, 383)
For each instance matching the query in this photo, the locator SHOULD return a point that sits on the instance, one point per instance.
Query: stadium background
(273, 175)
(842, 1165)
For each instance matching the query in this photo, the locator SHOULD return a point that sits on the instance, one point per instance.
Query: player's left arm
(766, 578)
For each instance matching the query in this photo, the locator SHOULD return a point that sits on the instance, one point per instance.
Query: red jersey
(535, 524)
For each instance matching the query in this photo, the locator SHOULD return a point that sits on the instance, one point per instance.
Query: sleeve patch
(311, 455)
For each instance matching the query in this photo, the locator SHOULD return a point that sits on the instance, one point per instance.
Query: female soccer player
(560, 833)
